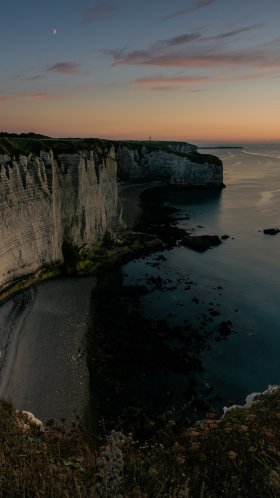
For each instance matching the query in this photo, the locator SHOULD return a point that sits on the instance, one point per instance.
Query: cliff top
(31, 134)
(25, 144)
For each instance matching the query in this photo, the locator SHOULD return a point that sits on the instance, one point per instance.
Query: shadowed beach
(43, 365)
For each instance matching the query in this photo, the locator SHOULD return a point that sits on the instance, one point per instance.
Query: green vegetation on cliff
(26, 144)
(196, 157)
(236, 456)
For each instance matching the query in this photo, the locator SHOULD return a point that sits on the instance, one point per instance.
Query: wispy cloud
(40, 96)
(177, 40)
(64, 67)
(197, 36)
(59, 67)
(197, 50)
(167, 80)
(5, 99)
(162, 83)
(32, 96)
(100, 12)
(35, 77)
(167, 83)
(191, 8)
(234, 32)
(162, 89)
(199, 58)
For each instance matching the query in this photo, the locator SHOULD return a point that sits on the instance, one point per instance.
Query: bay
(237, 283)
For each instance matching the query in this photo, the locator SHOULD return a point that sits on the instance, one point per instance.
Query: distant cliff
(56, 193)
(177, 163)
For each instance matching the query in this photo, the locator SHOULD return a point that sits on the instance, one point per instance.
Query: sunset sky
(196, 70)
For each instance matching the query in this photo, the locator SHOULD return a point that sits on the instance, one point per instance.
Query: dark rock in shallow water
(225, 237)
(225, 328)
(271, 231)
(201, 242)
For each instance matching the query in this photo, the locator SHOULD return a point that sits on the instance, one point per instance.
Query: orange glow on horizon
(209, 116)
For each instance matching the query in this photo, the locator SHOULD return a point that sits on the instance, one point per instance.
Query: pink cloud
(171, 80)
(189, 59)
(193, 51)
(65, 68)
(3, 100)
(39, 96)
(168, 83)
(33, 96)
(164, 88)
(195, 83)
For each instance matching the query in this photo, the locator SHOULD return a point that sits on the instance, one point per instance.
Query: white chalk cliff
(45, 201)
(52, 198)
(175, 164)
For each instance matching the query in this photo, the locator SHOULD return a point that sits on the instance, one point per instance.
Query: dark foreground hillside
(237, 456)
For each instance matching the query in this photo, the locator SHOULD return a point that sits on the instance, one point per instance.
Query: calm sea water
(239, 279)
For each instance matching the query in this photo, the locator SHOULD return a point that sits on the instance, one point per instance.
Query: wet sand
(43, 349)
(43, 363)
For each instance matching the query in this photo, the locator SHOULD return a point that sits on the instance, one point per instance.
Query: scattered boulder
(27, 419)
(201, 243)
(214, 312)
(225, 328)
(271, 231)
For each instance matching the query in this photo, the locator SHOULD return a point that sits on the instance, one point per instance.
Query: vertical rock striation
(173, 163)
(70, 195)
(47, 200)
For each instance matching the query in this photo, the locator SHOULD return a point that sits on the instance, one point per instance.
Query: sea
(217, 312)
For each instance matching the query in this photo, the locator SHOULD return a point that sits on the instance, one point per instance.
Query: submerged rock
(271, 231)
(201, 243)
(225, 328)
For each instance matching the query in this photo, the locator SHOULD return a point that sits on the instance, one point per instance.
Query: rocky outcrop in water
(201, 243)
(271, 231)
(48, 200)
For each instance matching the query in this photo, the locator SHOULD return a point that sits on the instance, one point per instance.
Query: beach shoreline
(43, 364)
(43, 342)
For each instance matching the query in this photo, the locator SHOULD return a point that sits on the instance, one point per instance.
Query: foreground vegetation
(237, 456)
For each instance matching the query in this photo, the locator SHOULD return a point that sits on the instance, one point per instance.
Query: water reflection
(192, 294)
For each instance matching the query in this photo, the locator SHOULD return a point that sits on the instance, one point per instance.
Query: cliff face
(70, 195)
(47, 200)
(174, 164)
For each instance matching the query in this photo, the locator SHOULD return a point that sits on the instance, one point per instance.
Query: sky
(204, 71)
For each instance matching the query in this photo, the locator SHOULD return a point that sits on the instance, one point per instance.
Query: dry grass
(238, 456)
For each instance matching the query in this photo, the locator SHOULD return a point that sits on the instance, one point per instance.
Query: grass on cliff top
(236, 457)
(25, 146)
(167, 147)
